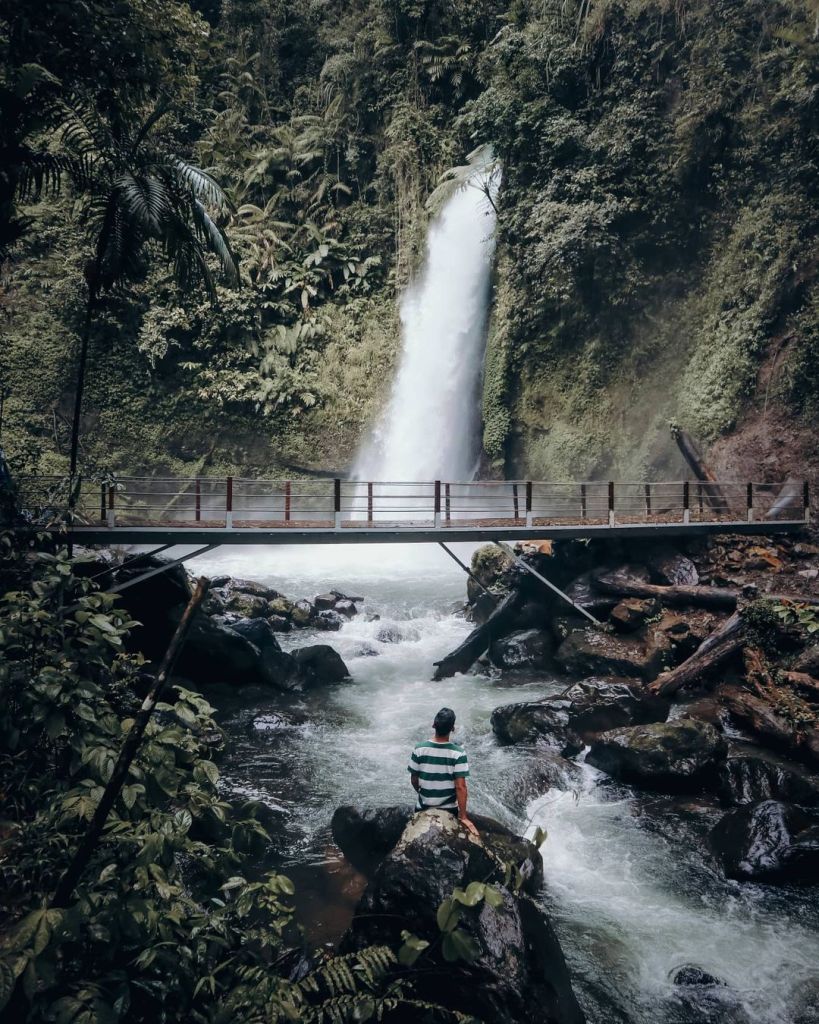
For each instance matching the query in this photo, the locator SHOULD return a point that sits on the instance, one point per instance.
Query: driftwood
(802, 681)
(127, 753)
(713, 493)
(705, 597)
(770, 723)
(713, 651)
(478, 641)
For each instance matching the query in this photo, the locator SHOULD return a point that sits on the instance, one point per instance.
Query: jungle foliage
(171, 920)
(656, 229)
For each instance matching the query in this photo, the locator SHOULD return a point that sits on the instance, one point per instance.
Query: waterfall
(430, 428)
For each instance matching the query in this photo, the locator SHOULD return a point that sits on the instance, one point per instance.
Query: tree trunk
(127, 753)
(80, 387)
(718, 598)
(713, 651)
(478, 641)
(713, 492)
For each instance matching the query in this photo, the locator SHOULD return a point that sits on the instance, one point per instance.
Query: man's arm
(461, 795)
(416, 782)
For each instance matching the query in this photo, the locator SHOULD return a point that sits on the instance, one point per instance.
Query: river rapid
(629, 884)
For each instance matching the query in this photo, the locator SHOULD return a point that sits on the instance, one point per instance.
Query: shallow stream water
(629, 884)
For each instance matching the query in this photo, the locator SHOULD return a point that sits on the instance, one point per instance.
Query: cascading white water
(430, 427)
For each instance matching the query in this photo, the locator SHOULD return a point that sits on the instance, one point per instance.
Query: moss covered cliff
(656, 254)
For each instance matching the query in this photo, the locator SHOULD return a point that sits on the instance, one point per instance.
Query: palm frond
(216, 240)
(201, 184)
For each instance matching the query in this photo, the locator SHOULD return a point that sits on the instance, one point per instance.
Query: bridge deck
(134, 510)
(408, 533)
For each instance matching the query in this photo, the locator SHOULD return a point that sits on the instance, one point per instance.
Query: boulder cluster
(234, 638)
(744, 735)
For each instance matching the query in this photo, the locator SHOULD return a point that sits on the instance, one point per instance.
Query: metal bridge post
(198, 499)
(229, 502)
(583, 502)
(806, 500)
(287, 497)
(750, 502)
(528, 502)
(515, 503)
(447, 504)
(611, 503)
(102, 503)
(370, 506)
(686, 502)
(337, 504)
(437, 508)
(112, 518)
(648, 500)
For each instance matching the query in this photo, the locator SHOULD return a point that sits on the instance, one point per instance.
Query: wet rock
(530, 648)
(397, 635)
(691, 974)
(590, 651)
(633, 613)
(325, 601)
(279, 624)
(219, 581)
(276, 667)
(562, 625)
(545, 721)
(253, 588)
(750, 775)
(768, 841)
(366, 835)
(302, 613)
(771, 723)
(602, 705)
(346, 608)
(519, 975)
(581, 591)
(247, 606)
(808, 661)
(280, 606)
(533, 615)
(546, 769)
(670, 568)
(214, 653)
(329, 621)
(320, 663)
(372, 617)
(674, 756)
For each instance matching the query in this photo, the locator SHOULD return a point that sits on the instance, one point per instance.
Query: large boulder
(769, 841)
(590, 651)
(366, 835)
(632, 613)
(277, 667)
(214, 653)
(751, 774)
(546, 722)
(676, 756)
(529, 648)
(251, 587)
(329, 621)
(320, 663)
(598, 705)
(583, 593)
(671, 568)
(519, 975)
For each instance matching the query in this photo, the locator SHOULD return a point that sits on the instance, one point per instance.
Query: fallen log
(770, 724)
(712, 652)
(478, 641)
(720, 598)
(802, 681)
(713, 493)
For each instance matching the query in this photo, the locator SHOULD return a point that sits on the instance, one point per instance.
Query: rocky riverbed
(680, 864)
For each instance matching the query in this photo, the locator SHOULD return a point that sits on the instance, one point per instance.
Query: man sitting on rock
(439, 769)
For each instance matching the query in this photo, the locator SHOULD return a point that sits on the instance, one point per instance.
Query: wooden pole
(198, 499)
(127, 753)
(337, 502)
(287, 499)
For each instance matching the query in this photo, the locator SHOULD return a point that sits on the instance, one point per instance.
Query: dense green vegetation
(656, 231)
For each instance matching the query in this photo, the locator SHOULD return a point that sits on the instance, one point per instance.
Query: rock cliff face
(519, 974)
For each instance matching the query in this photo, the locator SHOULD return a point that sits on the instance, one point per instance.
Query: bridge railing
(325, 503)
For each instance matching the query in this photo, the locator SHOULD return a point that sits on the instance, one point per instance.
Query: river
(630, 888)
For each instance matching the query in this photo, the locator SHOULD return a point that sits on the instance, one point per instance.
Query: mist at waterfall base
(629, 886)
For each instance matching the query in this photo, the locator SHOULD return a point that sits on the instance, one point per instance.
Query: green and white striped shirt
(437, 766)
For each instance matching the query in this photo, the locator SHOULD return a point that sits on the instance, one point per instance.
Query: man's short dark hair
(444, 722)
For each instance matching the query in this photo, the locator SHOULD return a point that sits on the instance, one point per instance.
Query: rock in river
(770, 842)
(545, 721)
(527, 648)
(589, 651)
(320, 664)
(751, 774)
(519, 974)
(676, 756)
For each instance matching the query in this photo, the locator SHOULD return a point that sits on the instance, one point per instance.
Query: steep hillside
(656, 240)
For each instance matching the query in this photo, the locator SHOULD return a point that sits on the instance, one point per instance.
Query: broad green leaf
(449, 913)
(457, 945)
